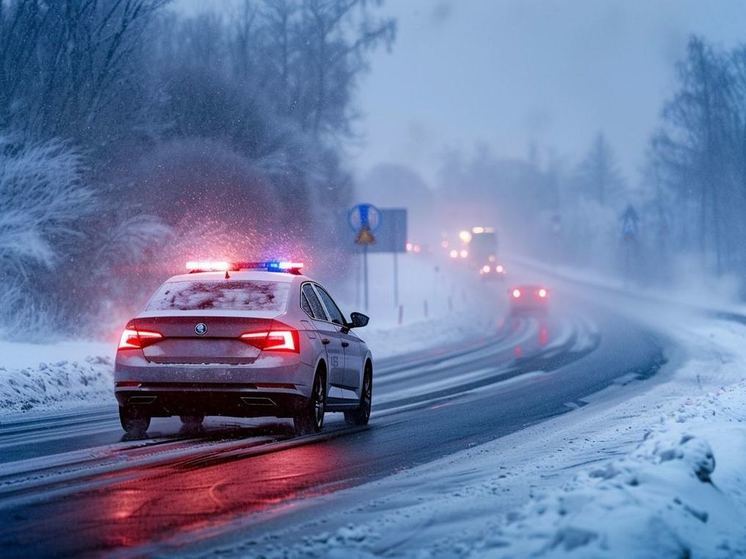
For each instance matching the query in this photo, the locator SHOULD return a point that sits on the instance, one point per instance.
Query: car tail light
(137, 339)
(516, 293)
(543, 293)
(280, 337)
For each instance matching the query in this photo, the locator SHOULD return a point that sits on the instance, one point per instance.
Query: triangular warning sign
(365, 237)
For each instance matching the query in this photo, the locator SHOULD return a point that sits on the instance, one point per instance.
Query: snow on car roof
(212, 292)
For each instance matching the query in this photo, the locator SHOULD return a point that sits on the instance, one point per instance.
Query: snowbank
(54, 376)
(678, 494)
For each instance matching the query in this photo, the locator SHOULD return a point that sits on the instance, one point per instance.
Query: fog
(247, 129)
(551, 121)
(515, 74)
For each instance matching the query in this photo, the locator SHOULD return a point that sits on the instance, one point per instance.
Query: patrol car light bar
(208, 266)
(268, 265)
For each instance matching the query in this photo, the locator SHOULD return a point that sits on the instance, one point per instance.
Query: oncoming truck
(483, 253)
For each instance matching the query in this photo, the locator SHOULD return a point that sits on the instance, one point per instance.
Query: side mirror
(358, 320)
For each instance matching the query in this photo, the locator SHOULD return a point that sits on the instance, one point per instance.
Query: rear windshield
(220, 295)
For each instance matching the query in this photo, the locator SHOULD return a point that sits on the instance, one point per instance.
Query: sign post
(364, 220)
(395, 227)
(379, 230)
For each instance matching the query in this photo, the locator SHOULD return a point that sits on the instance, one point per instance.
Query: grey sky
(509, 72)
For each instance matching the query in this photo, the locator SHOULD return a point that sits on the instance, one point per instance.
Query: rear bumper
(245, 400)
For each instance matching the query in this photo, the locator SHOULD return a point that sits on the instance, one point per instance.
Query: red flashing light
(543, 293)
(208, 266)
(516, 293)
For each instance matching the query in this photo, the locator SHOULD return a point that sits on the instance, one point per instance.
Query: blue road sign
(392, 234)
(364, 216)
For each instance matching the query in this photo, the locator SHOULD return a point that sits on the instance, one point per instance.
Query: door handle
(325, 341)
(345, 344)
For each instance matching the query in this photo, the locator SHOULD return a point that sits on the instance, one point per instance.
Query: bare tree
(62, 63)
(692, 147)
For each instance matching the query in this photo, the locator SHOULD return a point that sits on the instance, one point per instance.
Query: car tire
(311, 419)
(192, 420)
(361, 415)
(134, 420)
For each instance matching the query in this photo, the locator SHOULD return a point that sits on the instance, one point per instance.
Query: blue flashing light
(274, 266)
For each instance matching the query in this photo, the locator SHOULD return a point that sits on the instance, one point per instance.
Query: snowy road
(70, 485)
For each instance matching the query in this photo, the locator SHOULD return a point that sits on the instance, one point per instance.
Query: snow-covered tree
(42, 199)
(599, 177)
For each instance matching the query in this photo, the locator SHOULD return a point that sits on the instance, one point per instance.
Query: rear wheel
(311, 418)
(134, 420)
(361, 415)
(192, 420)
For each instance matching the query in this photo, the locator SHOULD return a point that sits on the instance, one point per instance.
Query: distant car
(242, 340)
(492, 271)
(528, 299)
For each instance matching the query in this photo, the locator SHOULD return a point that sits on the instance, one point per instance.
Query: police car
(242, 339)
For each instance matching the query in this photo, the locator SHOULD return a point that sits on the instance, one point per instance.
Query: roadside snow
(424, 334)
(440, 305)
(36, 377)
(669, 497)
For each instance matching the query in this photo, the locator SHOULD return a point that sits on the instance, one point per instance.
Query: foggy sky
(513, 72)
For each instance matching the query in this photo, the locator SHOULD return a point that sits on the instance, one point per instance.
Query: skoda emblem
(200, 329)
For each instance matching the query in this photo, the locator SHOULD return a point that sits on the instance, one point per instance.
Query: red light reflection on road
(185, 497)
(543, 335)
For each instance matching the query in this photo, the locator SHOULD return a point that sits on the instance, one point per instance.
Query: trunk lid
(197, 340)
